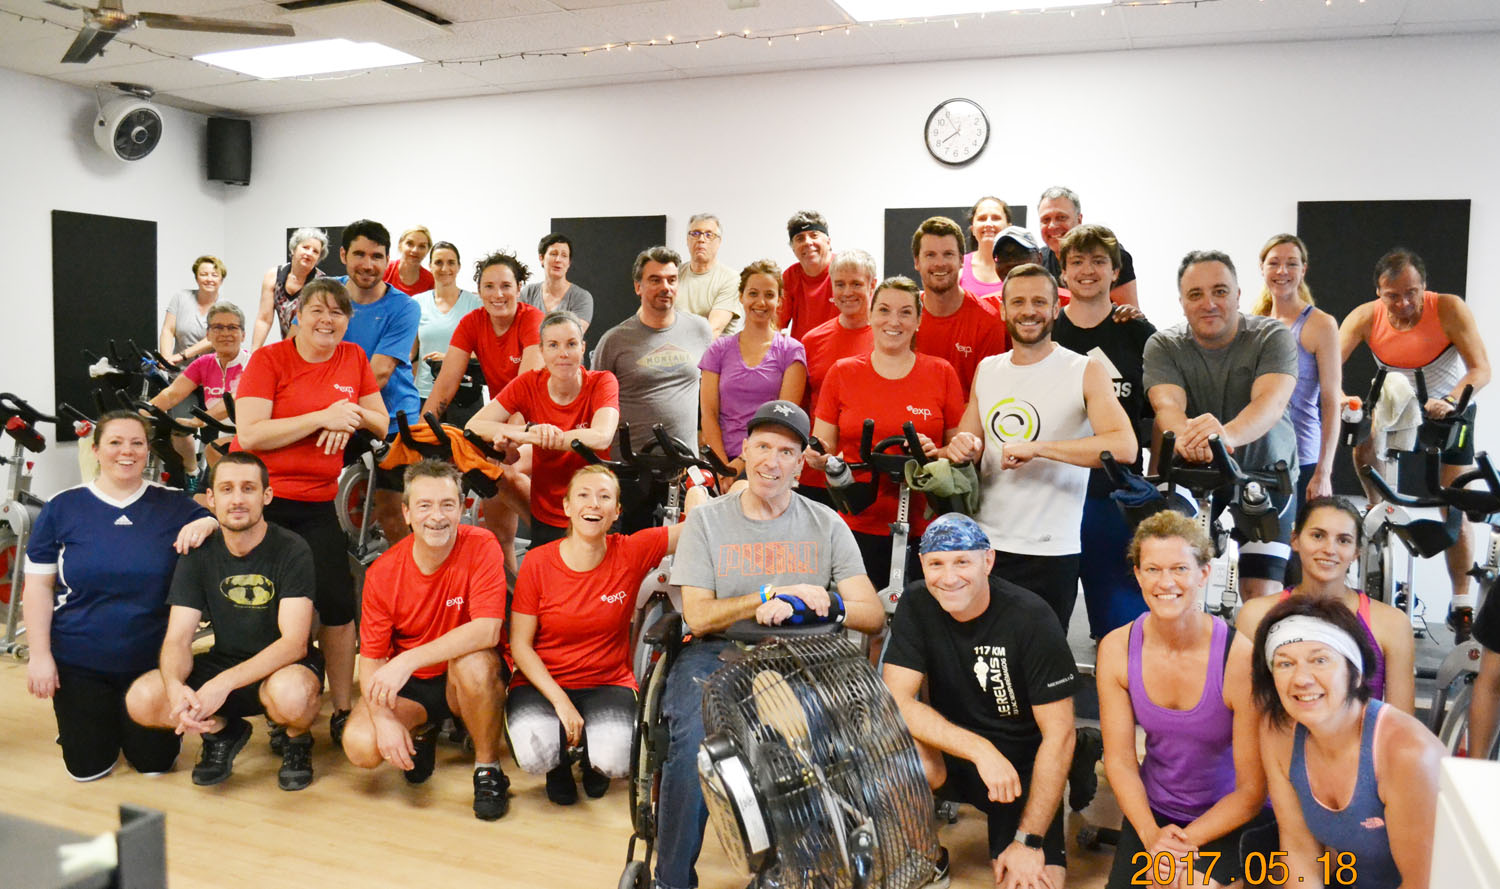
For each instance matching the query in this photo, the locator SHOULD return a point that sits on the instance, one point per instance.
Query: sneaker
(336, 722)
(1083, 781)
(296, 762)
(595, 782)
(216, 762)
(277, 734)
(940, 880)
(425, 739)
(491, 794)
(560, 787)
(1461, 622)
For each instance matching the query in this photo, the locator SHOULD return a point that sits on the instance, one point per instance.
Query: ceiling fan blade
(64, 5)
(88, 44)
(222, 26)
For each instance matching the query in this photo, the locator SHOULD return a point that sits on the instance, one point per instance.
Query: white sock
(486, 765)
(1463, 600)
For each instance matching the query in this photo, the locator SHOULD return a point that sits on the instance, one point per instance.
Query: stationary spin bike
(18, 513)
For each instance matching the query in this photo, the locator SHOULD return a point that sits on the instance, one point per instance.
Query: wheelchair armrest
(668, 628)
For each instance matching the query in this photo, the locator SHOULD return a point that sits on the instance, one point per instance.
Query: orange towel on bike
(466, 456)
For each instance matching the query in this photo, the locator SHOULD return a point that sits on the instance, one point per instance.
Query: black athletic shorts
(964, 785)
(317, 523)
(1224, 861)
(431, 693)
(543, 533)
(94, 728)
(243, 701)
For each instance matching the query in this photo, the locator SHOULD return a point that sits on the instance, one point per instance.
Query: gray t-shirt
(723, 550)
(658, 374)
(1218, 381)
(191, 325)
(577, 300)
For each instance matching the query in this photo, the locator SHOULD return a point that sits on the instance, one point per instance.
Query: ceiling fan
(102, 23)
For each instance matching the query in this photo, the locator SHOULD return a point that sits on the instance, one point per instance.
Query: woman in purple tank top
(1200, 783)
(1314, 406)
(1353, 781)
(1328, 536)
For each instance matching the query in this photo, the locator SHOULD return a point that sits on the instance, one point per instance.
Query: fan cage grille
(823, 736)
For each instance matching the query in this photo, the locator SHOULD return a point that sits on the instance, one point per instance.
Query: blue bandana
(953, 532)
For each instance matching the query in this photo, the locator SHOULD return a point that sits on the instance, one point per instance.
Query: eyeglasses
(224, 328)
(696, 235)
(1178, 572)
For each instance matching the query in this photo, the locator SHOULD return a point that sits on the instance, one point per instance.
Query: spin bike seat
(1419, 522)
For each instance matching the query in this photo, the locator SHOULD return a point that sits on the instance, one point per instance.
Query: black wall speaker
(229, 150)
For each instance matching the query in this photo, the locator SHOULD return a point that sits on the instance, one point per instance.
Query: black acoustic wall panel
(334, 266)
(103, 288)
(1344, 240)
(229, 150)
(902, 222)
(604, 250)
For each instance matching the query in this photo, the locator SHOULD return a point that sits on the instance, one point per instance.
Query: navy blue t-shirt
(388, 326)
(114, 561)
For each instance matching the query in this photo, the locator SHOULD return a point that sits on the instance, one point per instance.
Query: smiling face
(657, 287)
(1057, 217)
(989, 221)
(444, 266)
(122, 451)
(959, 580)
(1311, 679)
(894, 317)
(557, 260)
(1327, 544)
(498, 291)
(307, 254)
(1210, 299)
(940, 259)
(1171, 577)
(759, 298)
(1089, 273)
(432, 507)
(321, 324)
(592, 504)
(414, 247)
(562, 349)
(226, 334)
(237, 498)
(364, 260)
(1401, 292)
(1029, 308)
(773, 461)
(1283, 270)
(852, 289)
(209, 278)
(813, 250)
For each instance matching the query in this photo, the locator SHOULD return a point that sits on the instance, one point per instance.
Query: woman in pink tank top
(1200, 783)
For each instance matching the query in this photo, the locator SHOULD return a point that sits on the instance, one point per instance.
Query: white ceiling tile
(550, 31)
(482, 10)
(162, 75)
(363, 20)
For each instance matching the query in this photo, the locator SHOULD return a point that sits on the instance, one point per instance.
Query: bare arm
(37, 601)
(926, 724)
(1324, 334)
(173, 395)
(383, 366)
(1269, 395)
(1169, 401)
(176, 660)
(455, 362)
(704, 614)
(531, 359)
(1124, 295)
(1355, 329)
(258, 432)
(718, 319)
(1483, 706)
(793, 383)
(862, 608)
(1406, 775)
(522, 635)
(967, 443)
(1393, 634)
(1463, 330)
(1111, 425)
(373, 414)
(266, 312)
(708, 414)
(496, 423)
(479, 633)
(1117, 725)
(595, 436)
(1301, 847)
(1050, 771)
(168, 337)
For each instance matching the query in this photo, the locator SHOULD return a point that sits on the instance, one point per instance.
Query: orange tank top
(1409, 349)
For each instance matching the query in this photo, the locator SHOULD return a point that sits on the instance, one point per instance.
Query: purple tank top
(1189, 764)
(1303, 408)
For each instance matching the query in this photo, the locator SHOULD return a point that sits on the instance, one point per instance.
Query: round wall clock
(956, 131)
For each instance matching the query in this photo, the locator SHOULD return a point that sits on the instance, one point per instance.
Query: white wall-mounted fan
(128, 128)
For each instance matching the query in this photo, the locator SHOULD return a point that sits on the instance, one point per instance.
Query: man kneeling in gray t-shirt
(743, 557)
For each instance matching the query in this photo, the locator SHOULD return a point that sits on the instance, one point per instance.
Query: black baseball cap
(785, 414)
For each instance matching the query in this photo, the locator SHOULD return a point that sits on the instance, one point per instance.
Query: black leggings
(94, 728)
(318, 524)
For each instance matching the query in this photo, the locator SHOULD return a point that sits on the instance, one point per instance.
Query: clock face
(956, 131)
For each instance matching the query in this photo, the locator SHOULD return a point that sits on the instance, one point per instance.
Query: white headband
(1304, 628)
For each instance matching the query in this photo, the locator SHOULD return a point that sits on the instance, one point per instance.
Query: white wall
(50, 162)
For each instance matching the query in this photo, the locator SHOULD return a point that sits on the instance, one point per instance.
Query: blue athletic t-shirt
(113, 560)
(388, 326)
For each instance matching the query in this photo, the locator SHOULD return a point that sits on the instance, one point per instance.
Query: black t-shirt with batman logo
(241, 595)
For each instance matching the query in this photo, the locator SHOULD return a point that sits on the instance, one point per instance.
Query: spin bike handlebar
(661, 460)
(160, 419)
(20, 420)
(878, 457)
(213, 428)
(1477, 504)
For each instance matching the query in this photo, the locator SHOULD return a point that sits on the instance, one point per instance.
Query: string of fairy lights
(675, 42)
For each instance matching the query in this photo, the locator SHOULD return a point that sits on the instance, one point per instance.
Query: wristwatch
(1029, 840)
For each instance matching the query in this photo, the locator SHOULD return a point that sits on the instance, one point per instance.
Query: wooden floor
(370, 829)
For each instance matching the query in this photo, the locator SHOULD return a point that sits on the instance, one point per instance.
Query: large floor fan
(811, 778)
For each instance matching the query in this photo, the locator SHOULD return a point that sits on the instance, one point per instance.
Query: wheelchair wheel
(635, 876)
(641, 654)
(647, 750)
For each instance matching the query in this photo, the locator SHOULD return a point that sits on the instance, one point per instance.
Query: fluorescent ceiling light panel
(885, 10)
(311, 57)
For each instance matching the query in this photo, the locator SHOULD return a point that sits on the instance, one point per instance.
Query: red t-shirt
(499, 356)
(583, 619)
(825, 344)
(294, 386)
(425, 281)
(404, 608)
(805, 302)
(929, 396)
(551, 470)
(973, 332)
